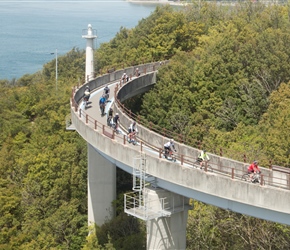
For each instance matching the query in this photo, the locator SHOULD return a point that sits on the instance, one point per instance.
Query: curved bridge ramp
(223, 187)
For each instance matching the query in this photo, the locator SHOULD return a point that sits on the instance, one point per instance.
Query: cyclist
(169, 147)
(202, 157)
(110, 116)
(86, 95)
(102, 104)
(106, 92)
(124, 78)
(253, 169)
(116, 121)
(137, 73)
(132, 131)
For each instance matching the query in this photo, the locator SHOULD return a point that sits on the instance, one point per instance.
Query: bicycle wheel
(196, 164)
(246, 177)
(209, 168)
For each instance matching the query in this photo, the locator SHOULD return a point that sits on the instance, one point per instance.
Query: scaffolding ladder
(136, 203)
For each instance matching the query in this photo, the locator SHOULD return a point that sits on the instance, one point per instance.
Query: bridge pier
(167, 232)
(101, 187)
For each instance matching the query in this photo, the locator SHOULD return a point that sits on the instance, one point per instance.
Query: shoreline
(158, 2)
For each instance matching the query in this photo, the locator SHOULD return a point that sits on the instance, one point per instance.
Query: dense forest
(227, 85)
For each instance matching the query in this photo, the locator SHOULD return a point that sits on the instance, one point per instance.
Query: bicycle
(115, 127)
(102, 108)
(196, 164)
(110, 121)
(86, 99)
(255, 178)
(131, 137)
(169, 155)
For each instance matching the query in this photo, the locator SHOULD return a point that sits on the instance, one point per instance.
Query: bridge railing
(186, 155)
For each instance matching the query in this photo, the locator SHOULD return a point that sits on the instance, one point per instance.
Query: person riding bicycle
(253, 169)
(106, 92)
(132, 131)
(86, 95)
(202, 157)
(168, 147)
(110, 116)
(124, 78)
(137, 73)
(102, 104)
(116, 121)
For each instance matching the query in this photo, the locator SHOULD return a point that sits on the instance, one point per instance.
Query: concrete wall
(102, 80)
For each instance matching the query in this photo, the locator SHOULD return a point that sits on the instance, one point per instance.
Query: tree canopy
(227, 84)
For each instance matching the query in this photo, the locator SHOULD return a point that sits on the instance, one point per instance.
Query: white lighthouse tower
(90, 36)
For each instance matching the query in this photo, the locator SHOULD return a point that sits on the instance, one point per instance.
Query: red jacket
(253, 168)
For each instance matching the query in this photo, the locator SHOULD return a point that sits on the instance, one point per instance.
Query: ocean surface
(30, 31)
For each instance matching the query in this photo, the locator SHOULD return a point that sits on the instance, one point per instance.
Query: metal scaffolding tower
(137, 203)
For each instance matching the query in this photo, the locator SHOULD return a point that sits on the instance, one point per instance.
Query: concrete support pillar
(167, 232)
(101, 187)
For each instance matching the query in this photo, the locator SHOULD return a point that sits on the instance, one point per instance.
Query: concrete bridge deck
(223, 187)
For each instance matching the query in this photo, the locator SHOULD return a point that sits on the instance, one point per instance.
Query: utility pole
(55, 67)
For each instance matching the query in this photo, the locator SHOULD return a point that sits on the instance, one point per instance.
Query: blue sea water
(31, 30)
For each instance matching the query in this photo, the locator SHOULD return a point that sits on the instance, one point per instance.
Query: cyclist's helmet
(134, 123)
(204, 150)
(117, 113)
(256, 163)
(87, 87)
(171, 140)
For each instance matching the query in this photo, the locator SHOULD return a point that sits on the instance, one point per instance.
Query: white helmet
(117, 113)
(171, 140)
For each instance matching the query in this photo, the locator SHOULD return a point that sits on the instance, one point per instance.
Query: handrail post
(124, 139)
(87, 118)
(181, 159)
(262, 180)
(233, 173)
(96, 125)
(205, 166)
(160, 152)
(141, 146)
